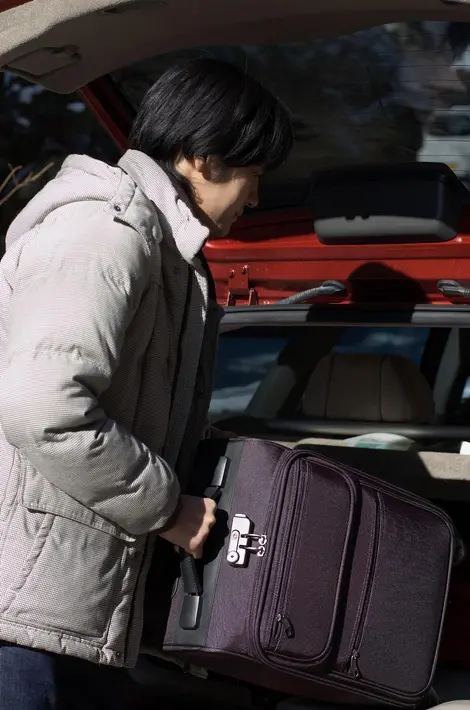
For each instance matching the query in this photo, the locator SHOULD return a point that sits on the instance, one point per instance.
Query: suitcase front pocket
(302, 591)
(394, 642)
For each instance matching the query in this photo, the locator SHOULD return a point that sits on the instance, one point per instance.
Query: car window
(466, 391)
(242, 363)
(245, 357)
(409, 342)
(366, 97)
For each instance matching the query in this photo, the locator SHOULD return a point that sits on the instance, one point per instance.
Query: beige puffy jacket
(107, 340)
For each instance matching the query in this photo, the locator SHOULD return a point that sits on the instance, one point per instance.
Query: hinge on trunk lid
(239, 287)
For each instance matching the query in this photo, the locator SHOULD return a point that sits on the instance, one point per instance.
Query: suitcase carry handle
(192, 585)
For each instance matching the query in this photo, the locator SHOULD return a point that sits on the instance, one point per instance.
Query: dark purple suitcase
(317, 580)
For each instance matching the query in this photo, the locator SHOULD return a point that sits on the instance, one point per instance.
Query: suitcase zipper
(353, 667)
(354, 655)
(286, 625)
(296, 490)
(285, 463)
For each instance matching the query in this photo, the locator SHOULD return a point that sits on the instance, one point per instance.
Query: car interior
(392, 401)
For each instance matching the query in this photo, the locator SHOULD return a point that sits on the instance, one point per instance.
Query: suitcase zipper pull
(286, 624)
(353, 667)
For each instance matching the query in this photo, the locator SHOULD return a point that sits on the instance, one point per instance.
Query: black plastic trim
(432, 315)
(192, 586)
(190, 612)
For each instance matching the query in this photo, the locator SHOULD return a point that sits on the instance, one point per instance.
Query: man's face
(221, 193)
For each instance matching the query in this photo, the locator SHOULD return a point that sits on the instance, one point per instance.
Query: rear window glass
(245, 357)
(373, 96)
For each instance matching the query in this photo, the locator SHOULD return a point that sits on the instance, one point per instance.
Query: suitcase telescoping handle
(192, 585)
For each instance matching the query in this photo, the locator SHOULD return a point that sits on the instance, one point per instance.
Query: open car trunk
(66, 45)
(400, 61)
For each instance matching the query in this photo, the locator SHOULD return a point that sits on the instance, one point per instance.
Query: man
(108, 330)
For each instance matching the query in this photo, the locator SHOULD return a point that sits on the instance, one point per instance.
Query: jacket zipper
(358, 633)
(136, 616)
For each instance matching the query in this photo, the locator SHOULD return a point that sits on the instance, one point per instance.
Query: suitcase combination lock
(243, 541)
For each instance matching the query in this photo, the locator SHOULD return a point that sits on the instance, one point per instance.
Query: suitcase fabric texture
(455, 646)
(317, 580)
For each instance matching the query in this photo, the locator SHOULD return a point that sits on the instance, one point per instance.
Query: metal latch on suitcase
(242, 541)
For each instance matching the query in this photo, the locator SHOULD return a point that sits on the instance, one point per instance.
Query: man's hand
(193, 521)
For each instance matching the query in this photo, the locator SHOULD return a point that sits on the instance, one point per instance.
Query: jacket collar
(189, 234)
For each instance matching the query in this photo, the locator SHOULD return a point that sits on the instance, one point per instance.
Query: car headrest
(371, 388)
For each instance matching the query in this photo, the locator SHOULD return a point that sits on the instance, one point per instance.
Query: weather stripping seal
(446, 316)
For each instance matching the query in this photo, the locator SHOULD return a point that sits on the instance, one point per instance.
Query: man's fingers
(211, 508)
(211, 505)
(202, 537)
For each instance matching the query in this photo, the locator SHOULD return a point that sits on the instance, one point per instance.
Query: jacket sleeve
(76, 291)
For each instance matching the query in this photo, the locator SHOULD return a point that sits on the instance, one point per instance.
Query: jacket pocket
(40, 495)
(75, 564)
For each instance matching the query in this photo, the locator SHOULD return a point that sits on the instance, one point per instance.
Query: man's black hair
(206, 107)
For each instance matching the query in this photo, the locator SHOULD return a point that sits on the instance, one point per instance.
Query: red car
(358, 250)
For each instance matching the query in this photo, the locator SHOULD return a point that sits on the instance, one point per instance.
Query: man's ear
(200, 166)
(210, 168)
(215, 170)
(203, 168)
(194, 168)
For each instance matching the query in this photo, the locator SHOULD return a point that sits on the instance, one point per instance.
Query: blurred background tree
(38, 129)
